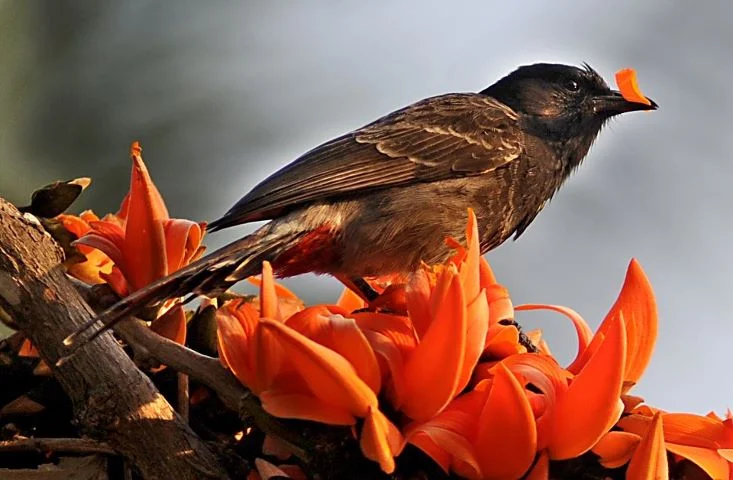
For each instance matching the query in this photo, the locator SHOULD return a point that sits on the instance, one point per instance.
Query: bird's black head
(562, 104)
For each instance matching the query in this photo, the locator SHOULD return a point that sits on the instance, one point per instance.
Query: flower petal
(236, 322)
(145, 250)
(171, 325)
(432, 371)
(616, 448)
(269, 307)
(693, 430)
(447, 437)
(708, 460)
(507, 435)
(502, 341)
(417, 293)
(327, 326)
(380, 440)
(109, 246)
(591, 404)
(469, 271)
(541, 468)
(182, 240)
(269, 471)
(726, 453)
(304, 406)
(350, 301)
(280, 290)
(650, 458)
(330, 377)
(637, 305)
(545, 375)
(582, 329)
(274, 447)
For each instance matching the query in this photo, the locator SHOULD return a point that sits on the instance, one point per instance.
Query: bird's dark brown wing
(435, 139)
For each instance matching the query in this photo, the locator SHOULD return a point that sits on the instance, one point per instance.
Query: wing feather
(435, 139)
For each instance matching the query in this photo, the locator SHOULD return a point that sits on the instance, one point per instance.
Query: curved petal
(141, 179)
(117, 281)
(145, 251)
(432, 371)
(304, 407)
(417, 293)
(268, 471)
(330, 377)
(447, 437)
(500, 304)
(486, 274)
(392, 366)
(502, 341)
(726, 453)
(281, 290)
(693, 430)
(545, 375)
(477, 328)
(468, 271)
(75, 224)
(327, 326)
(105, 245)
(507, 434)
(637, 305)
(274, 447)
(235, 327)
(541, 468)
(708, 460)
(582, 329)
(182, 240)
(591, 404)
(616, 448)
(350, 301)
(393, 299)
(269, 307)
(380, 440)
(171, 325)
(650, 458)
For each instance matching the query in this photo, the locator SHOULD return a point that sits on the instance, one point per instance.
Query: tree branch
(113, 401)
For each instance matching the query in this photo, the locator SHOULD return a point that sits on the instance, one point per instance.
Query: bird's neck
(569, 141)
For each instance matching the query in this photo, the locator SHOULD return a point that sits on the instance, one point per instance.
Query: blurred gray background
(221, 94)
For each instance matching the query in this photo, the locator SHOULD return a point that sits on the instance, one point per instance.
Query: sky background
(221, 94)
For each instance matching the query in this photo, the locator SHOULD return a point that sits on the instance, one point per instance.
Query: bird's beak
(614, 104)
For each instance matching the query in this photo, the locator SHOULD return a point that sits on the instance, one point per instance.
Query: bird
(383, 198)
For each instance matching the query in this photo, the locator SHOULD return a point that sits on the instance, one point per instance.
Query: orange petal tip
(650, 458)
(135, 148)
(629, 88)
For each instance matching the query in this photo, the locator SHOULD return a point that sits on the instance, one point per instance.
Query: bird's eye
(572, 85)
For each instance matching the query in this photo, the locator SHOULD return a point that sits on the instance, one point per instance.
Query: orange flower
(523, 411)
(637, 306)
(704, 440)
(142, 241)
(315, 365)
(97, 266)
(487, 433)
(430, 355)
(650, 458)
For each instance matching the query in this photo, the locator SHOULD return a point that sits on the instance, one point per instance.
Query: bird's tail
(213, 273)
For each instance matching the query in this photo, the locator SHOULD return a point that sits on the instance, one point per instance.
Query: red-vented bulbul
(384, 197)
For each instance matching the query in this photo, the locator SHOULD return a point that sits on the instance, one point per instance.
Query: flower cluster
(137, 245)
(443, 355)
(436, 361)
